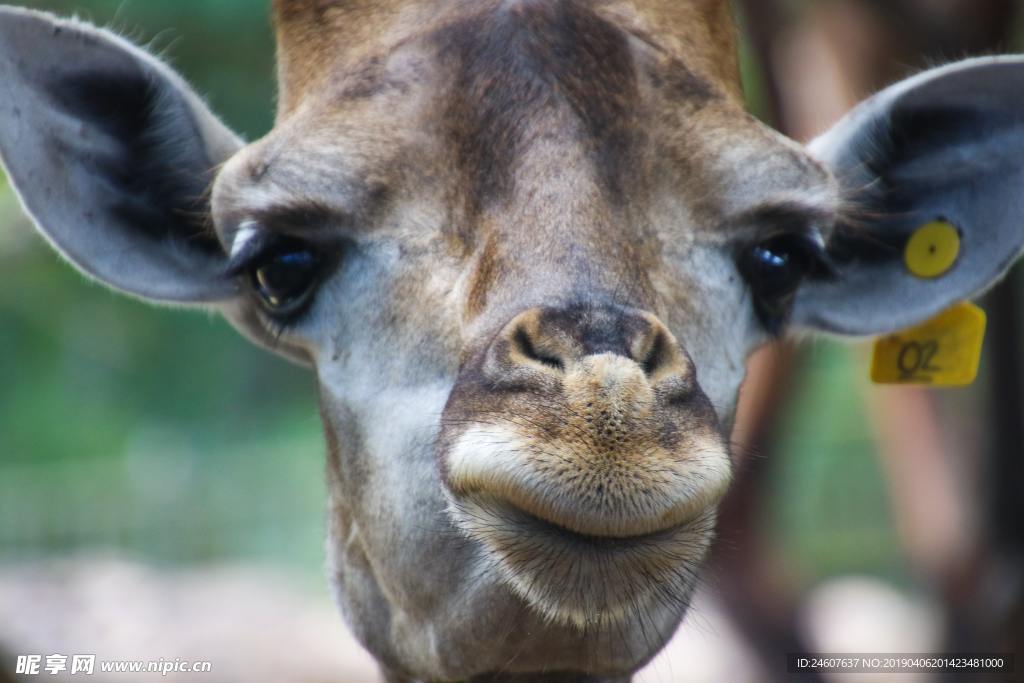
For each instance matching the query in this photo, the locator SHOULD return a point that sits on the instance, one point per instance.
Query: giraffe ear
(112, 155)
(946, 145)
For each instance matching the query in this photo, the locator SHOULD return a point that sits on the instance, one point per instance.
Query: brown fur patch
(681, 84)
(531, 60)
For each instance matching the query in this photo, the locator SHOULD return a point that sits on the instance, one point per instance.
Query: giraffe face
(526, 247)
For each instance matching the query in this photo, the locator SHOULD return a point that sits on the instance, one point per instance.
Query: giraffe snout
(588, 419)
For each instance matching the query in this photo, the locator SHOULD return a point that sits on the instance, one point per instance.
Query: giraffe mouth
(536, 523)
(631, 493)
(592, 484)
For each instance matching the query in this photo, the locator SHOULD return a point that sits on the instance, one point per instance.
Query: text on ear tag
(943, 352)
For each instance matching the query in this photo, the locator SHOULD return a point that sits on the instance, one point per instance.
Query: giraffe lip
(624, 493)
(569, 515)
(531, 520)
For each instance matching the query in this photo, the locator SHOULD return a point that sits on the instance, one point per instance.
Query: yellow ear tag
(943, 352)
(946, 350)
(932, 249)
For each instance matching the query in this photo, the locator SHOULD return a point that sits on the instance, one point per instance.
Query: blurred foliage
(165, 434)
(829, 502)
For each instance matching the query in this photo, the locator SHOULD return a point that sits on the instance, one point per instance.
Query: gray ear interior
(112, 155)
(949, 145)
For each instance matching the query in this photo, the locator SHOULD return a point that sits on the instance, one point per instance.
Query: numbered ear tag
(943, 352)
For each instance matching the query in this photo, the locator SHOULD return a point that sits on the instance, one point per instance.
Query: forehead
(637, 92)
(318, 38)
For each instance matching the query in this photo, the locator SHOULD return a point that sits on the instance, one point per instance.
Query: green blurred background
(163, 434)
(155, 431)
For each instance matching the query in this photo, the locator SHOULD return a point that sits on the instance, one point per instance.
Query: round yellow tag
(932, 250)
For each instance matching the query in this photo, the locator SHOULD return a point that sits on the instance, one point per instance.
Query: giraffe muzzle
(587, 419)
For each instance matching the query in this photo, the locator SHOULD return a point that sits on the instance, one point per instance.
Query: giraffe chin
(588, 582)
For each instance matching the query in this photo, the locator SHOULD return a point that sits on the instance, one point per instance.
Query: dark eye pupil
(285, 277)
(774, 271)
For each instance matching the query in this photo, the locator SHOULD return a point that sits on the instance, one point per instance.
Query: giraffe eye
(284, 274)
(774, 269)
(285, 278)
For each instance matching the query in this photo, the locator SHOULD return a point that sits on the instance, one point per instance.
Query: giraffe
(525, 246)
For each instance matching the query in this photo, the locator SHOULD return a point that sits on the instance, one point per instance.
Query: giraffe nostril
(658, 356)
(554, 341)
(524, 344)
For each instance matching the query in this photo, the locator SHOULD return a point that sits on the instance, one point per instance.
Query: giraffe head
(526, 247)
